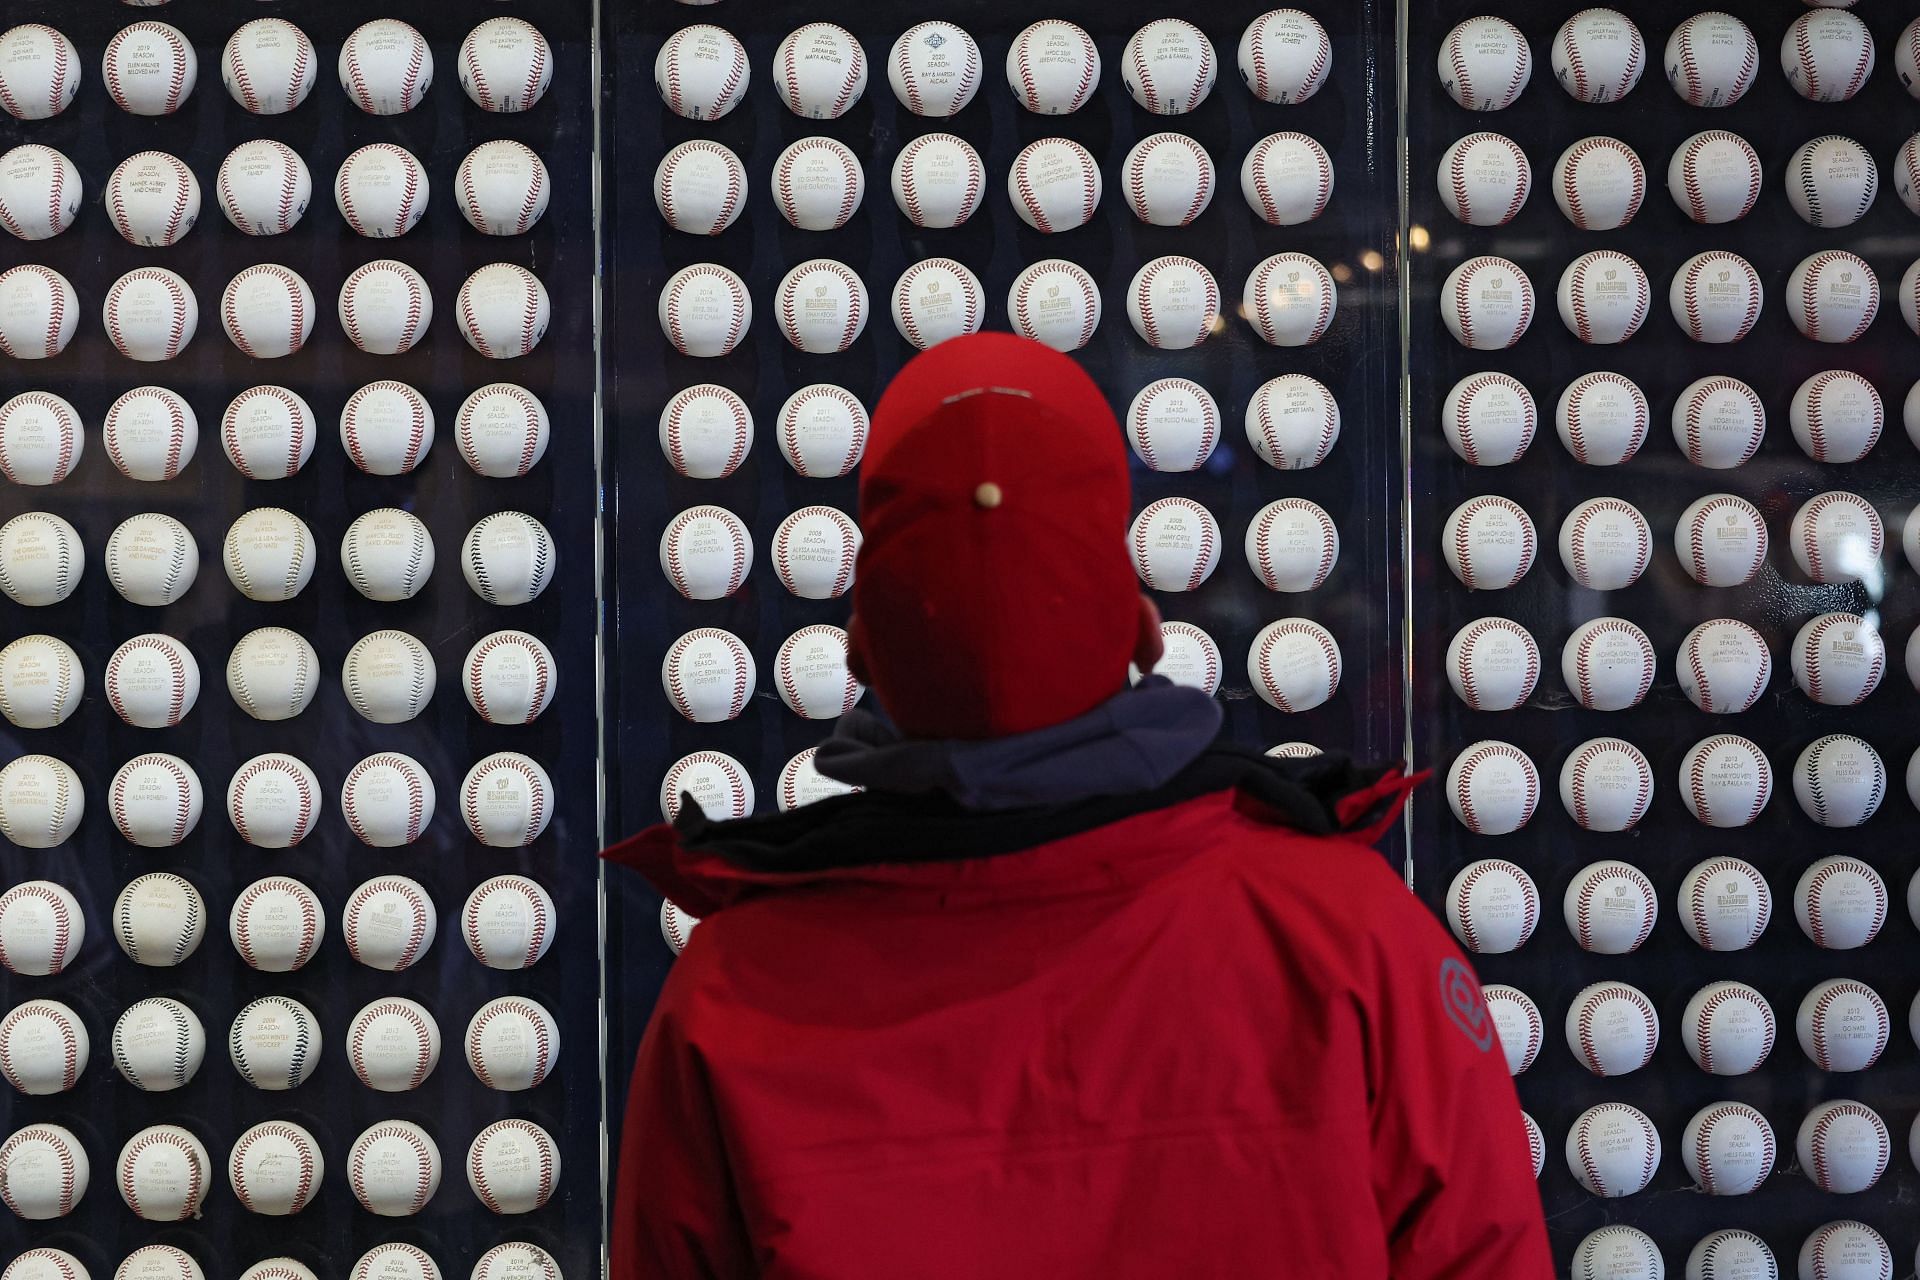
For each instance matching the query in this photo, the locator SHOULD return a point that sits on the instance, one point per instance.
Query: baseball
(934, 69)
(822, 306)
(1603, 297)
(386, 427)
(1839, 780)
(1728, 1028)
(705, 552)
(512, 1166)
(150, 433)
(1827, 55)
(1605, 544)
(273, 801)
(1732, 1252)
(153, 199)
(1840, 903)
(1488, 543)
(40, 191)
(1288, 178)
(41, 924)
(389, 922)
(1290, 299)
(44, 1047)
(1294, 665)
(508, 558)
(268, 66)
(801, 783)
(387, 554)
(393, 1045)
(1052, 67)
(1712, 59)
(701, 71)
(1599, 184)
(936, 299)
(706, 431)
(1488, 419)
(38, 312)
(1832, 296)
(263, 187)
(41, 559)
(1725, 781)
(822, 71)
(719, 785)
(506, 65)
(150, 68)
(709, 675)
(938, 180)
(387, 800)
(1169, 179)
(156, 801)
(276, 924)
(158, 1044)
(1173, 424)
(1837, 537)
(1487, 303)
(394, 1167)
(1716, 297)
(279, 1269)
(1516, 1019)
(385, 307)
(163, 1173)
(705, 310)
(1174, 303)
(818, 184)
(1843, 1147)
(810, 671)
(1910, 538)
(1292, 421)
(506, 800)
(1492, 907)
(1056, 302)
(1724, 904)
(40, 438)
(267, 311)
(1485, 63)
(1292, 545)
(1838, 659)
(273, 673)
(823, 430)
(43, 1168)
(41, 681)
(1837, 416)
(1831, 181)
(1175, 544)
(1612, 1029)
(1845, 1250)
(504, 188)
(1285, 56)
(1606, 784)
(268, 433)
(509, 677)
(1598, 55)
(508, 922)
(504, 311)
(39, 71)
(41, 801)
(269, 554)
(1613, 1149)
(814, 552)
(1189, 657)
(699, 186)
(1728, 1148)
(517, 1261)
(1602, 418)
(512, 1043)
(1721, 540)
(386, 67)
(1608, 663)
(1715, 177)
(158, 1262)
(1843, 1025)
(1484, 179)
(1610, 908)
(1168, 67)
(1615, 1252)
(1906, 58)
(275, 1043)
(502, 431)
(1054, 185)
(275, 1168)
(1910, 309)
(1493, 664)
(151, 314)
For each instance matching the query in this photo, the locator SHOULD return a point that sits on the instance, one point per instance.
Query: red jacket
(1188, 1043)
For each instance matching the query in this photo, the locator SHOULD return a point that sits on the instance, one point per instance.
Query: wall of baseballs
(255, 637)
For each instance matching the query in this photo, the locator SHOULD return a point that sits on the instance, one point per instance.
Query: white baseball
(1292, 545)
(513, 1165)
(509, 677)
(705, 310)
(269, 554)
(153, 199)
(701, 71)
(1838, 659)
(1831, 181)
(1056, 302)
(274, 1043)
(276, 924)
(273, 801)
(815, 551)
(393, 1167)
(502, 430)
(268, 433)
(503, 188)
(393, 1044)
(40, 438)
(810, 671)
(388, 677)
(1832, 296)
(1837, 416)
(149, 69)
(1053, 67)
(1724, 904)
(386, 427)
(38, 312)
(158, 1044)
(1294, 665)
(720, 786)
(705, 552)
(1845, 1250)
(1492, 907)
(156, 1262)
(1725, 781)
(503, 310)
(1598, 55)
(1189, 656)
(1598, 183)
(1608, 663)
(44, 1047)
(709, 675)
(512, 1043)
(1839, 780)
(269, 66)
(821, 71)
(1484, 179)
(41, 559)
(506, 65)
(1285, 56)
(1485, 63)
(1175, 544)
(823, 430)
(801, 783)
(508, 922)
(1613, 1149)
(1712, 59)
(1173, 303)
(1488, 419)
(275, 1168)
(1715, 177)
(1290, 300)
(41, 681)
(273, 673)
(1615, 1252)
(386, 67)
(1169, 179)
(1728, 1028)
(1843, 1025)
(822, 306)
(1487, 303)
(41, 801)
(387, 800)
(1910, 538)
(1731, 1252)
(389, 922)
(264, 187)
(1728, 1148)
(151, 314)
(40, 191)
(1840, 903)
(39, 71)
(1612, 1029)
(43, 1167)
(156, 801)
(387, 554)
(1716, 296)
(508, 558)
(506, 800)
(41, 924)
(706, 431)
(1169, 67)
(1721, 540)
(700, 187)
(1605, 544)
(1606, 784)
(1602, 418)
(1516, 1019)
(1906, 58)
(163, 1173)
(936, 299)
(517, 1261)
(385, 307)
(1603, 297)
(268, 311)
(938, 180)
(1292, 421)
(1489, 543)
(1294, 751)
(1493, 664)
(1173, 424)
(934, 69)
(1610, 908)
(1843, 1147)
(150, 433)
(1054, 185)
(818, 184)
(1837, 537)
(1827, 55)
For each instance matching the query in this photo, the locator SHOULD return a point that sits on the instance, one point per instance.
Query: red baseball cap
(994, 594)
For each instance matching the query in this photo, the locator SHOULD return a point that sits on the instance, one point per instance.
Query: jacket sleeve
(1452, 1173)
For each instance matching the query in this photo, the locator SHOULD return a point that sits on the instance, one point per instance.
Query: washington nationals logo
(1460, 996)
